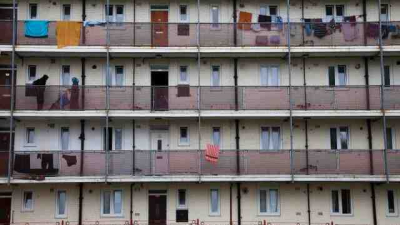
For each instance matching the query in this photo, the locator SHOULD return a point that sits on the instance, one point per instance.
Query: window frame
(395, 201)
(215, 26)
(220, 135)
(337, 76)
(338, 143)
(220, 75)
(178, 205)
(30, 10)
(187, 143)
(69, 137)
(391, 76)
(27, 143)
(270, 137)
(269, 73)
(62, 73)
(393, 131)
(114, 139)
(187, 82)
(334, 12)
(218, 213)
(113, 73)
(187, 13)
(268, 11)
(340, 213)
(28, 72)
(23, 209)
(112, 210)
(258, 199)
(63, 11)
(65, 215)
(388, 11)
(114, 11)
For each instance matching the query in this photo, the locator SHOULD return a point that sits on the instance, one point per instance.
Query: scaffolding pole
(289, 62)
(107, 90)
(198, 86)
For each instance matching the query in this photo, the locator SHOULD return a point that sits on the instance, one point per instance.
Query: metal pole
(382, 95)
(11, 149)
(198, 83)
(107, 89)
(290, 88)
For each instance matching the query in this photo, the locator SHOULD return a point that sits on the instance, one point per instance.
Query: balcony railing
(211, 98)
(218, 34)
(193, 162)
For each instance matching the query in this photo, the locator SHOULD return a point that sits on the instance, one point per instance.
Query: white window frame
(337, 80)
(270, 136)
(114, 137)
(220, 135)
(62, 73)
(69, 136)
(220, 75)
(187, 143)
(34, 138)
(65, 215)
(269, 74)
(388, 12)
(187, 13)
(268, 11)
(187, 74)
(114, 16)
(268, 213)
(112, 71)
(29, 10)
(218, 213)
(23, 209)
(338, 143)
(112, 213)
(337, 18)
(391, 75)
(28, 70)
(178, 205)
(396, 203)
(215, 26)
(63, 12)
(340, 213)
(393, 136)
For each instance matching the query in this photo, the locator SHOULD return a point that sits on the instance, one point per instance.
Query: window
(115, 13)
(116, 76)
(339, 137)
(335, 12)
(27, 204)
(386, 73)
(31, 73)
(390, 137)
(215, 14)
(61, 202)
(216, 136)
(184, 136)
(30, 135)
(270, 138)
(269, 76)
(341, 201)
(215, 76)
(183, 13)
(33, 11)
(268, 201)
(65, 75)
(66, 12)
(384, 12)
(183, 75)
(214, 202)
(118, 139)
(64, 138)
(337, 76)
(182, 204)
(391, 203)
(111, 203)
(269, 10)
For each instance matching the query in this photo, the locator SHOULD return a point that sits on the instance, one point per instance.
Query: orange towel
(68, 33)
(244, 17)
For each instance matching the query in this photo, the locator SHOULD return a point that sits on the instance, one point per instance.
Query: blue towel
(36, 28)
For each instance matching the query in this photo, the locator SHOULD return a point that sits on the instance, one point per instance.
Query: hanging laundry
(245, 17)
(212, 153)
(68, 33)
(93, 23)
(183, 29)
(308, 27)
(275, 40)
(265, 21)
(70, 159)
(320, 30)
(385, 31)
(351, 20)
(262, 40)
(373, 30)
(36, 28)
(350, 32)
(279, 23)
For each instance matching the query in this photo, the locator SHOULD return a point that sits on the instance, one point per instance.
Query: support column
(289, 64)
(107, 90)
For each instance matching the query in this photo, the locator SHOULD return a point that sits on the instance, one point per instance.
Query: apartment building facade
(300, 96)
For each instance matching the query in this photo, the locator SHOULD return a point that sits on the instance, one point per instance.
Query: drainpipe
(239, 197)
(239, 206)
(83, 78)
(234, 23)
(131, 205)
(302, 17)
(230, 205)
(134, 24)
(80, 204)
(235, 78)
(133, 148)
(83, 19)
(365, 20)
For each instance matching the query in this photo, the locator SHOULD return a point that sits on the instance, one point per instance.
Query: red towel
(212, 153)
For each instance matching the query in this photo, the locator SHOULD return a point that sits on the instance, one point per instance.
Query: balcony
(192, 162)
(217, 35)
(135, 98)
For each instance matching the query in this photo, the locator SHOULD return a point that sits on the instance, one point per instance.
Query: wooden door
(4, 149)
(159, 143)
(5, 89)
(6, 28)
(5, 211)
(159, 20)
(157, 209)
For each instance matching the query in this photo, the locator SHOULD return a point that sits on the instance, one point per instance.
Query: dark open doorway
(157, 209)
(159, 94)
(5, 208)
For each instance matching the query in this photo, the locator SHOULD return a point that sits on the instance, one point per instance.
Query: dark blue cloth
(36, 28)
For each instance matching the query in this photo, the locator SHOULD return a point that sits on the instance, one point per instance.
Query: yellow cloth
(68, 33)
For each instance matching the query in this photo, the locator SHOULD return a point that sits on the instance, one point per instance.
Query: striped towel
(212, 153)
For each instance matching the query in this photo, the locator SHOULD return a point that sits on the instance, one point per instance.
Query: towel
(68, 33)
(350, 19)
(245, 17)
(350, 33)
(93, 23)
(36, 28)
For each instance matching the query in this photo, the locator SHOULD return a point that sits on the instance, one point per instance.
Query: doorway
(5, 208)
(160, 146)
(159, 94)
(5, 89)
(158, 208)
(159, 21)
(4, 150)
(6, 17)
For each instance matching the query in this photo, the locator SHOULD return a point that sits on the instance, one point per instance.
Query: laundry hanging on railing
(36, 28)
(244, 20)
(93, 23)
(68, 33)
(212, 153)
(264, 21)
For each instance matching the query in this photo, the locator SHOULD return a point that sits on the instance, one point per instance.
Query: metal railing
(70, 98)
(218, 34)
(193, 162)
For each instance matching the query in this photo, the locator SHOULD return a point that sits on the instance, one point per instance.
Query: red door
(157, 209)
(5, 89)
(5, 211)
(4, 149)
(159, 21)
